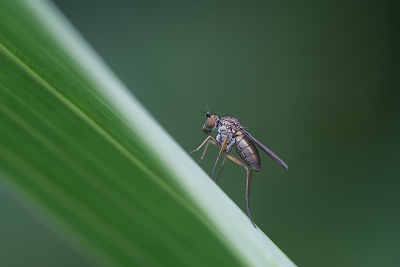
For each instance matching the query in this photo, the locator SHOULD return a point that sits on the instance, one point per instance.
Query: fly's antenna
(208, 115)
(215, 113)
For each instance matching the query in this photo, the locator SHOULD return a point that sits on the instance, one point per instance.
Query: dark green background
(315, 81)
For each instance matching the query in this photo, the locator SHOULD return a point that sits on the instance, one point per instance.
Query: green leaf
(78, 146)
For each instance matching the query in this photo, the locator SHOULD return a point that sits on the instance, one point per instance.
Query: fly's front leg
(213, 141)
(205, 149)
(238, 161)
(202, 144)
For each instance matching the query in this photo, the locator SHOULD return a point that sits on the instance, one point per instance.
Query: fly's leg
(202, 144)
(246, 198)
(213, 141)
(220, 151)
(205, 149)
(248, 181)
(220, 169)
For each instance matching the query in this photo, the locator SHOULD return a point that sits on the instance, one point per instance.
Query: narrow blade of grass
(80, 147)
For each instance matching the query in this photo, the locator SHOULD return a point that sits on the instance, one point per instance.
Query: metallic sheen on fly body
(232, 134)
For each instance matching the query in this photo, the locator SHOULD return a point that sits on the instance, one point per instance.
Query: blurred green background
(317, 82)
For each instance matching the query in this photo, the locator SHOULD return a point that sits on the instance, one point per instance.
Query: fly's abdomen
(248, 152)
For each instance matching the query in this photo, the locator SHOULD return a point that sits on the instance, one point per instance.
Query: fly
(232, 134)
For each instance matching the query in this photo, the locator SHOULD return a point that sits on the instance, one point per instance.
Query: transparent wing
(266, 150)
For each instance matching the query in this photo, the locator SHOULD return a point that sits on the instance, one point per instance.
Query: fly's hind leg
(238, 161)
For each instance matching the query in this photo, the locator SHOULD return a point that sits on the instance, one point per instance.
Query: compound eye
(210, 122)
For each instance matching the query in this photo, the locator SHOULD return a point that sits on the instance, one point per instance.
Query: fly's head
(210, 124)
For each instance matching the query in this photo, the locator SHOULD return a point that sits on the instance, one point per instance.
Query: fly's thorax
(225, 131)
(221, 136)
(230, 120)
(222, 129)
(247, 151)
(227, 128)
(229, 125)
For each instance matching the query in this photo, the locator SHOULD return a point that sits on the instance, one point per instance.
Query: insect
(232, 134)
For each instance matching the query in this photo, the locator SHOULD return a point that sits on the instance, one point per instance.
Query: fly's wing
(266, 150)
